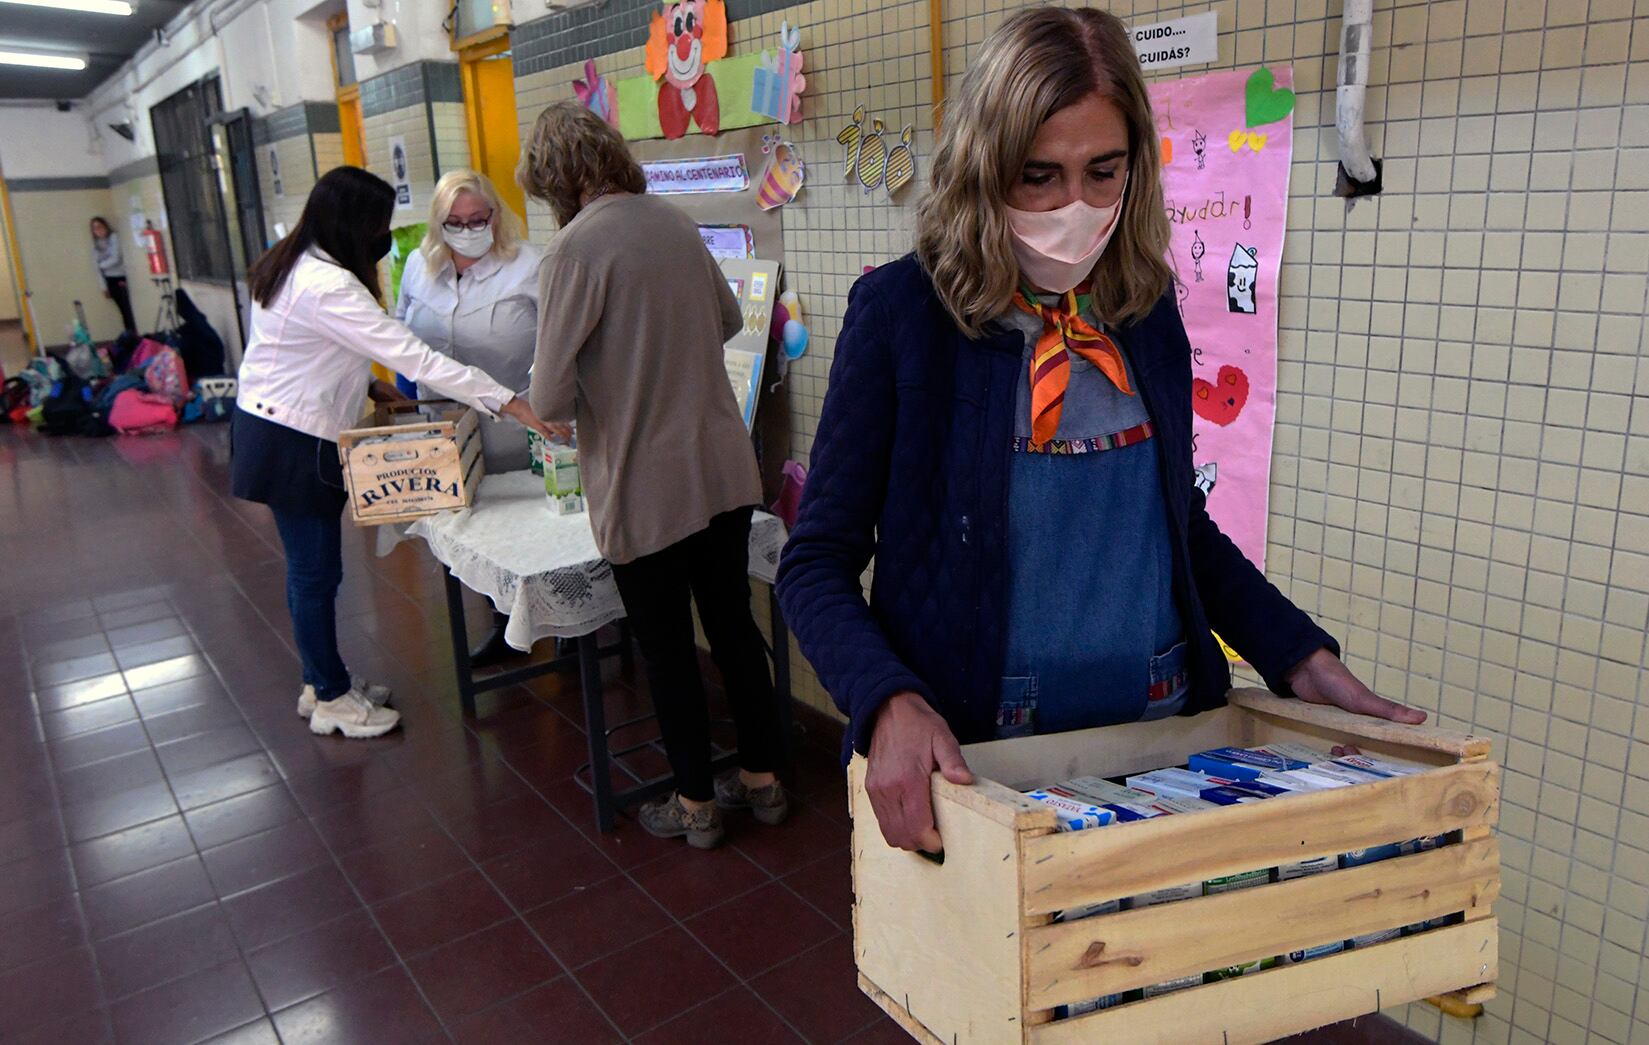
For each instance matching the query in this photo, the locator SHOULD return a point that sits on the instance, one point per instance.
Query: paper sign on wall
(752, 282)
(1226, 192)
(1192, 40)
(275, 182)
(728, 241)
(401, 173)
(700, 174)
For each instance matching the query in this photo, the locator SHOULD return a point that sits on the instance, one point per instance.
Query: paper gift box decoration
(597, 93)
(777, 84)
(782, 179)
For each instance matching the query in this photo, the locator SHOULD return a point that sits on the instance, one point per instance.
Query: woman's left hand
(1322, 679)
(382, 391)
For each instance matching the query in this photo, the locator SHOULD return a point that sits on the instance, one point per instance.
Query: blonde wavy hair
(1037, 63)
(507, 230)
(573, 153)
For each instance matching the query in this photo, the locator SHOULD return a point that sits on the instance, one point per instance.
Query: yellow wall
(57, 258)
(8, 285)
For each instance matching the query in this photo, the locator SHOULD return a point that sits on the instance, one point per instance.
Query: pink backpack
(165, 375)
(142, 413)
(145, 351)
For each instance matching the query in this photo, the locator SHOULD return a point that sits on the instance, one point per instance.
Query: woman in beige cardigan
(633, 313)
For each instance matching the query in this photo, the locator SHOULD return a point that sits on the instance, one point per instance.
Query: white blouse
(307, 360)
(488, 318)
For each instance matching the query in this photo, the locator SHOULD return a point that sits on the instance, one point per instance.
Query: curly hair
(573, 153)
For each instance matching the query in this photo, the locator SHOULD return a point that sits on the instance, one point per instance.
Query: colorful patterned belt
(1127, 437)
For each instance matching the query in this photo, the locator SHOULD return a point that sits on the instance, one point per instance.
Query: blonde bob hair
(507, 232)
(1038, 62)
(573, 153)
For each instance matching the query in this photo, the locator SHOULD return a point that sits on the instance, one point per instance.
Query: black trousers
(121, 295)
(710, 568)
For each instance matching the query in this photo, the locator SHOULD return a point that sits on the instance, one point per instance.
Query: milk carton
(562, 482)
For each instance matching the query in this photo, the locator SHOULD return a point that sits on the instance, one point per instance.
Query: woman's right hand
(518, 410)
(910, 740)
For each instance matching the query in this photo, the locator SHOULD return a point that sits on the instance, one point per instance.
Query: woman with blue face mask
(470, 291)
(1007, 433)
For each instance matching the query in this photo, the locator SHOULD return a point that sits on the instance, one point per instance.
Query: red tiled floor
(383, 1007)
(182, 861)
(478, 971)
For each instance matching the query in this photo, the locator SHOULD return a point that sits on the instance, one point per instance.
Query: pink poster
(1226, 142)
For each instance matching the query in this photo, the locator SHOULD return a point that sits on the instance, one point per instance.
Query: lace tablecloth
(540, 568)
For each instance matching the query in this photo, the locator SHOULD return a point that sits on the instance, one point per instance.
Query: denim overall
(1094, 635)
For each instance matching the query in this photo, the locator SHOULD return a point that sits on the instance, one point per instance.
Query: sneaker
(668, 818)
(767, 804)
(355, 715)
(378, 695)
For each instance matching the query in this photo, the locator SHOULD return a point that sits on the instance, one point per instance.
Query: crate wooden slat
(967, 950)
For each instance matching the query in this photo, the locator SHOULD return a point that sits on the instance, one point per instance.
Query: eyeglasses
(474, 226)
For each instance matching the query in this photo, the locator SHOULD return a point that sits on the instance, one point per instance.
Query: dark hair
(346, 211)
(573, 153)
(97, 219)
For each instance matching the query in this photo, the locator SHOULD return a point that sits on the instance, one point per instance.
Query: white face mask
(1057, 249)
(468, 243)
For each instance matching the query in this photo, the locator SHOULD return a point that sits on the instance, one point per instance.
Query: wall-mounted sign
(1192, 40)
(400, 173)
(699, 174)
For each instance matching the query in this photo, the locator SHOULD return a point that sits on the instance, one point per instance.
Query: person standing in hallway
(316, 328)
(470, 291)
(1007, 432)
(633, 313)
(112, 271)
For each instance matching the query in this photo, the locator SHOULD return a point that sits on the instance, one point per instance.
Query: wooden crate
(967, 950)
(434, 467)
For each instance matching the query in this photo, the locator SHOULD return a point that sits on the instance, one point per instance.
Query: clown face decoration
(686, 37)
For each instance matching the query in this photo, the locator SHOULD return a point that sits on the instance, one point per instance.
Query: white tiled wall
(412, 122)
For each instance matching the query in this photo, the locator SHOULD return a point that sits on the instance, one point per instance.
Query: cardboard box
(967, 950)
(419, 458)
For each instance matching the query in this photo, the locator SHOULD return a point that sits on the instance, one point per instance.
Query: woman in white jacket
(316, 328)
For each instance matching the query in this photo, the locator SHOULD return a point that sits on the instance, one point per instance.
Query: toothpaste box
(1296, 752)
(1296, 957)
(1241, 763)
(1176, 783)
(1233, 882)
(1305, 868)
(1156, 990)
(1370, 939)
(1071, 914)
(1231, 972)
(1297, 780)
(1424, 845)
(1162, 896)
(1074, 813)
(1359, 857)
(1082, 1008)
(1345, 775)
(1378, 767)
(1125, 802)
(1231, 795)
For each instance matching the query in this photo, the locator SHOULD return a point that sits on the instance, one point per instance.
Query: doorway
(489, 109)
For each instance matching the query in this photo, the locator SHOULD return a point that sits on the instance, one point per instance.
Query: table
(543, 572)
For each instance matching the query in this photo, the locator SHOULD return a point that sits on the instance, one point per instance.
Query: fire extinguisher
(154, 245)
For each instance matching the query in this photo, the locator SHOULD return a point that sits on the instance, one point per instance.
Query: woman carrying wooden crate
(1007, 432)
(316, 328)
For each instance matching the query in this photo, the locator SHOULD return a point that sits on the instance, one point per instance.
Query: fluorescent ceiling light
(42, 61)
(96, 7)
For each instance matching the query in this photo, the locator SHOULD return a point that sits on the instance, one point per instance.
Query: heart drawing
(1254, 141)
(1265, 101)
(1222, 401)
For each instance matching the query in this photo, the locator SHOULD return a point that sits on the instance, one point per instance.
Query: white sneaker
(355, 715)
(378, 695)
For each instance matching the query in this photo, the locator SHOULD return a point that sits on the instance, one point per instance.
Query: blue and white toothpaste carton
(1357, 858)
(1305, 869)
(1074, 813)
(1382, 768)
(1176, 783)
(1238, 763)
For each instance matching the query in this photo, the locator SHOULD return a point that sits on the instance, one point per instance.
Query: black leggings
(710, 568)
(121, 295)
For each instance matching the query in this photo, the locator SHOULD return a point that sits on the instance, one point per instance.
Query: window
(189, 182)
